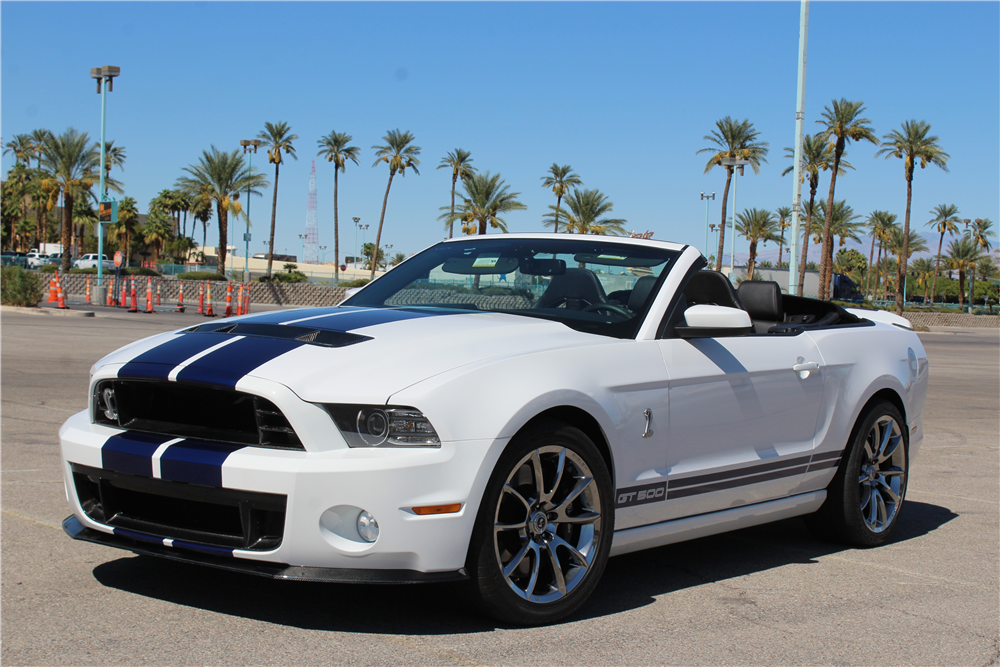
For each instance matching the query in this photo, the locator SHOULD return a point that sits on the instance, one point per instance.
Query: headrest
(712, 288)
(640, 292)
(762, 300)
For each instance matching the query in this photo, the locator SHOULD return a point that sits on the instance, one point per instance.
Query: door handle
(807, 366)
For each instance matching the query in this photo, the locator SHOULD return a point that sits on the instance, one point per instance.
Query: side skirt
(703, 525)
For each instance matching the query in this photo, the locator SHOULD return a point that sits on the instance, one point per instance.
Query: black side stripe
(826, 455)
(823, 465)
(739, 472)
(732, 483)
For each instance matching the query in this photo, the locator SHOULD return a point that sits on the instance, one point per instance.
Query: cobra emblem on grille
(110, 407)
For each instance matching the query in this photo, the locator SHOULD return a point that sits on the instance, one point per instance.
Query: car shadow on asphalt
(630, 582)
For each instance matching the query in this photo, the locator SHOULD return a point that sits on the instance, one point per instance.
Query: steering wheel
(610, 307)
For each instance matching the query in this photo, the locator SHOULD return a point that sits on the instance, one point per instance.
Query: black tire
(864, 498)
(557, 537)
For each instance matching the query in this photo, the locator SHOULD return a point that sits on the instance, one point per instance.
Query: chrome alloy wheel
(883, 474)
(547, 525)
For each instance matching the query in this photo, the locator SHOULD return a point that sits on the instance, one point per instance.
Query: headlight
(381, 426)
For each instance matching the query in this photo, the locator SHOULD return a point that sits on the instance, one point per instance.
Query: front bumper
(77, 531)
(324, 492)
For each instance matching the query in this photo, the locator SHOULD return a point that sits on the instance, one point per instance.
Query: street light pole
(105, 83)
(706, 198)
(249, 146)
(357, 226)
(302, 237)
(736, 164)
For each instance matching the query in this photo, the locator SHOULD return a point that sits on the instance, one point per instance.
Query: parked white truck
(89, 261)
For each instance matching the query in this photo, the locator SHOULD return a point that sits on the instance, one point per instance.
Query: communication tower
(312, 229)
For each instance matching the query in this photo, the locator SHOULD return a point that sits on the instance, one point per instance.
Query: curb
(46, 311)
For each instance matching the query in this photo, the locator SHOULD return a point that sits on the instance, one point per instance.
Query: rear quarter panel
(861, 361)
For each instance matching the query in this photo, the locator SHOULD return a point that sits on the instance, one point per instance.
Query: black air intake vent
(192, 411)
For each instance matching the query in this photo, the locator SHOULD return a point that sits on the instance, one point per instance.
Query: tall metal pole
(100, 225)
(246, 238)
(800, 115)
(732, 235)
(706, 198)
(357, 225)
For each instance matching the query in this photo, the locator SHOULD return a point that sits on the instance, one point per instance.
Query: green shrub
(19, 287)
(202, 275)
(350, 284)
(290, 277)
(48, 268)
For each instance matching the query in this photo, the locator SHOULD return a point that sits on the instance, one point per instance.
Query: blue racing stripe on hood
(282, 316)
(225, 366)
(362, 318)
(131, 452)
(159, 361)
(196, 461)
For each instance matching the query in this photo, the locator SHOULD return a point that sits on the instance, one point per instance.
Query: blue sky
(623, 92)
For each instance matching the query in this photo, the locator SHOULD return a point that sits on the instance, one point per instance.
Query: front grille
(193, 411)
(226, 518)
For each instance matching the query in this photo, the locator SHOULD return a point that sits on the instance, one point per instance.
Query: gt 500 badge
(640, 495)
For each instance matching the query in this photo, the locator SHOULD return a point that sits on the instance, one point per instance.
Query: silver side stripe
(172, 377)
(158, 453)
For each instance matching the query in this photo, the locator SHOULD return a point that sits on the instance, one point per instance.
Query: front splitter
(78, 531)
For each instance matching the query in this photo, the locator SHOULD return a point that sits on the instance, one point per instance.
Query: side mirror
(705, 321)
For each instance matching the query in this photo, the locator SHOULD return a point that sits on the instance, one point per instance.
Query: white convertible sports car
(508, 411)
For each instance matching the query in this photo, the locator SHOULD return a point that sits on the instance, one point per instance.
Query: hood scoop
(308, 335)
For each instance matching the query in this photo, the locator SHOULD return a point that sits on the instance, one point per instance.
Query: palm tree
(486, 199)
(157, 231)
(945, 222)
(201, 209)
(460, 163)
(219, 178)
(880, 225)
(560, 179)
(128, 217)
(757, 226)
(114, 156)
(912, 145)
(980, 231)
(275, 137)
(72, 163)
(39, 138)
(397, 259)
(784, 216)
(963, 255)
(22, 147)
(843, 124)
(732, 140)
(334, 147)
(922, 269)
(585, 215)
(844, 225)
(817, 156)
(400, 156)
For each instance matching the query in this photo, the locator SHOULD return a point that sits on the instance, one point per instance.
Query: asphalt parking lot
(763, 596)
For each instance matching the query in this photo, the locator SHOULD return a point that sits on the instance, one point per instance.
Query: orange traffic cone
(158, 281)
(111, 294)
(246, 305)
(60, 300)
(201, 298)
(229, 300)
(239, 301)
(180, 298)
(149, 294)
(52, 287)
(134, 307)
(124, 301)
(88, 290)
(208, 299)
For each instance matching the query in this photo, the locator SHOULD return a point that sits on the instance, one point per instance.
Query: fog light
(367, 526)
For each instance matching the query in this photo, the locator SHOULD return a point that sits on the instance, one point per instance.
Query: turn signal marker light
(437, 509)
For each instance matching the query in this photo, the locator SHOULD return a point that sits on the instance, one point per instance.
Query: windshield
(590, 284)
